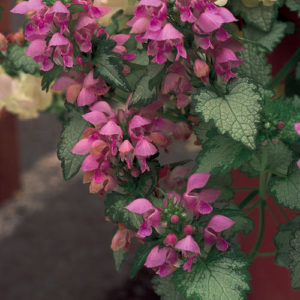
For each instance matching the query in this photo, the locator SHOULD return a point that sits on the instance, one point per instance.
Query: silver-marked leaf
(236, 113)
(220, 276)
(287, 190)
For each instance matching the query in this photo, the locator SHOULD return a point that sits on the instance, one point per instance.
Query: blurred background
(54, 240)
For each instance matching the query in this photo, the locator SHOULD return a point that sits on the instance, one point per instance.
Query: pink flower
(188, 244)
(84, 31)
(122, 238)
(198, 203)
(63, 53)
(297, 127)
(143, 150)
(162, 259)
(26, 6)
(150, 214)
(137, 127)
(85, 90)
(126, 153)
(212, 232)
(61, 16)
(113, 133)
(41, 53)
(177, 80)
(94, 11)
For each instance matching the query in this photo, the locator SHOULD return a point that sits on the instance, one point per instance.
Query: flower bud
(275, 141)
(174, 219)
(3, 42)
(188, 230)
(135, 173)
(201, 68)
(170, 239)
(16, 37)
(126, 70)
(79, 61)
(280, 125)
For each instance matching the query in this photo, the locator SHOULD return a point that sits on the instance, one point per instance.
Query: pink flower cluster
(206, 21)
(123, 137)
(51, 34)
(150, 23)
(176, 222)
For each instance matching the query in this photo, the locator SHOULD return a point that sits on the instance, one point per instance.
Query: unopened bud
(201, 68)
(135, 173)
(126, 70)
(170, 239)
(275, 141)
(174, 219)
(79, 61)
(188, 229)
(16, 37)
(280, 125)
(3, 42)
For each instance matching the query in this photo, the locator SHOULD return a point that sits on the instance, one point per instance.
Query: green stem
(247, 200)
(245, 188)
(261, 201)
(266, 254)
(283, 213)
(253, 206)
(285, 70)
(272, 214)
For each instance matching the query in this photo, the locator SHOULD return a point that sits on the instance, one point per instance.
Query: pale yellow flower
(127, 5)
(23, 96)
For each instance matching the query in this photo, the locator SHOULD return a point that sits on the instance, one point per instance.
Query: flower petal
(188, 244)
(219, 223)
(156, 257)
(197, 181)
(139, 206)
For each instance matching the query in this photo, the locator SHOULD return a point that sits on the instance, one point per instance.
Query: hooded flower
(198, 203)
(126, 153)
(212, 232)
(122, 238)
(150, 214)
(163, 260)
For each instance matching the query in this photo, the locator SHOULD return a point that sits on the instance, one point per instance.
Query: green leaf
(115, 208)
(50, 76)
(119, 257)
(220, 154)
(109, 66)
(295, 261)
(255, 65)
(202, 130)
(164, 287)
(141, 59)
(242, 224)
(21, 62)
(261, 16)
(236, 113)
(268, 40)
(287, 190)
(285, 233)
(223, 275)
(143, 94)
(279, 158)
(73, 128)
(223, 183)
(293, 5)
(141, 256)
(75, 8)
